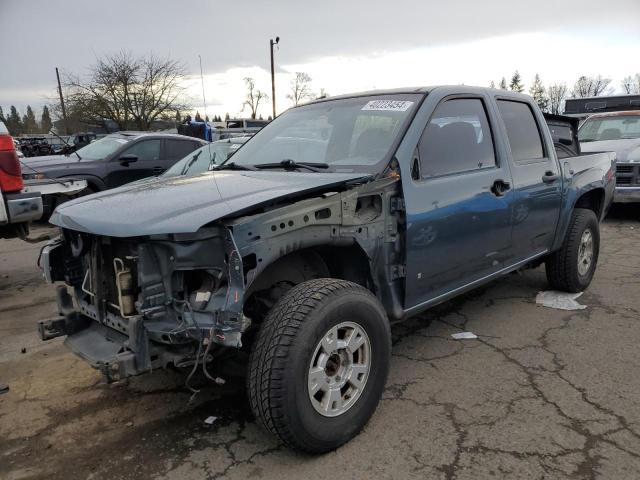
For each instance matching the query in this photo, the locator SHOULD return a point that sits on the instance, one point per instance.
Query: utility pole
(273, 76)
(64, 112)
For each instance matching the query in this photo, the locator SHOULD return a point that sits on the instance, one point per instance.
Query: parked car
(299, 250)
(21, 201)
(112, 161)
(75, 142)
(35, 147)
(618, 132)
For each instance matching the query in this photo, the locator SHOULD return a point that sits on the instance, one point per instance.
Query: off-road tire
(562, 265)
(278, 365)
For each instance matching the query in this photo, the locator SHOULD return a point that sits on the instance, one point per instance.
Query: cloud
(70, 34)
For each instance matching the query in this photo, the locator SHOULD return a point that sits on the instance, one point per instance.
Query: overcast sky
(344, 45)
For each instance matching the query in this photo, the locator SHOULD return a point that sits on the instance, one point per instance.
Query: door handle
(549, 177)
(500, 187)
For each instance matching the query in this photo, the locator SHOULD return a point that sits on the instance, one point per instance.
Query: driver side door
(147, 154)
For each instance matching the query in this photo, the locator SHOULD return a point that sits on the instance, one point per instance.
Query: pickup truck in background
(21, 201)
(337, 217)
(617, 132)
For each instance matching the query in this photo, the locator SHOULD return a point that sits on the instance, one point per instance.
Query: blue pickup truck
(337, 217)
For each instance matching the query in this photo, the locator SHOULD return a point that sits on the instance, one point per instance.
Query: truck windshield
(101, 148)
(350, 135)
(610, 128)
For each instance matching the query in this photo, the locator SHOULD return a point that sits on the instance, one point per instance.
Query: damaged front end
(131, 305)
(134, 304)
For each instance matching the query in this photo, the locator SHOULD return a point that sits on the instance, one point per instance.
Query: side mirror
(125, 160)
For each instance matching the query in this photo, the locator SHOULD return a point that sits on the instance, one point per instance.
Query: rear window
(522, 130)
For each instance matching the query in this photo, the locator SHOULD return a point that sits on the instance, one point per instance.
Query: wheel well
(345, 263)
(592, 200)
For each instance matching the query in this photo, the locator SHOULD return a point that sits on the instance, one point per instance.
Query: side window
(457, 139)
(145, 150)
(522, 130)
(177, 149)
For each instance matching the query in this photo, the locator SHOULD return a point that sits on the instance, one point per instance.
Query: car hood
(184, 204)
(48, 161)
(627, 149)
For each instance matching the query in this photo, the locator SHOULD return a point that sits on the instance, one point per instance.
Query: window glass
(102, 148)
(350, 134)
(202, 160)
(177, 149)
(457, 139)
(610, 128)
(145, 150)
(522, 130)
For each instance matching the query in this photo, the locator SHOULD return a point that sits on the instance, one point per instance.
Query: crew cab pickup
(337, 217)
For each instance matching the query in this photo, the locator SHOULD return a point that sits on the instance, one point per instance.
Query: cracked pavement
(541, 393)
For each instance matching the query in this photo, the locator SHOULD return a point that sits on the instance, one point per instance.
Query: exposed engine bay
(131, 305)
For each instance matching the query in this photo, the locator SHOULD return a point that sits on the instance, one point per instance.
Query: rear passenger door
(536, 179)
(458, 202)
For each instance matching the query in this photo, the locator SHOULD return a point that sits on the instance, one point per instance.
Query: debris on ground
(210, 420)
(4, 388)
(464, 336)
(559, 300)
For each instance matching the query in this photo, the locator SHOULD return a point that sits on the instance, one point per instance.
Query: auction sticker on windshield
(390, 105)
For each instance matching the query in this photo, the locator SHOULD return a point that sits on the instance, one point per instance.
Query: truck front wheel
(319, 365)
(571, 268)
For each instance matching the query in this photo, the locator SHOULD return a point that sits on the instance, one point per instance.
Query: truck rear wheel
(571, 268)
(320, 363)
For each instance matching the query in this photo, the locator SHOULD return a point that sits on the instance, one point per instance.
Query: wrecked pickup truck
(337, 217)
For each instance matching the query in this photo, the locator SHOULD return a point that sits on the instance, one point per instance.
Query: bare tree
(131, 91)
(254, 97)
(557, 94)
(631, 84)
(591, 87)
(300, 88)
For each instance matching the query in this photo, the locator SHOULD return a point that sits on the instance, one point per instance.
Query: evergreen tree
(198, 117)
(45, 120)
(14, 124)
(29, 123)
(503, 84)
(226, 116)
(178, 117)
(539, 93)
(2, 119)
(516, 83)
(269, 119)
(206, 118)
(492, 84)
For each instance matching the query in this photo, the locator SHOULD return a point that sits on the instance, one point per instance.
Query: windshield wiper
(234, 166)
(289, 164)
(191, 162)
